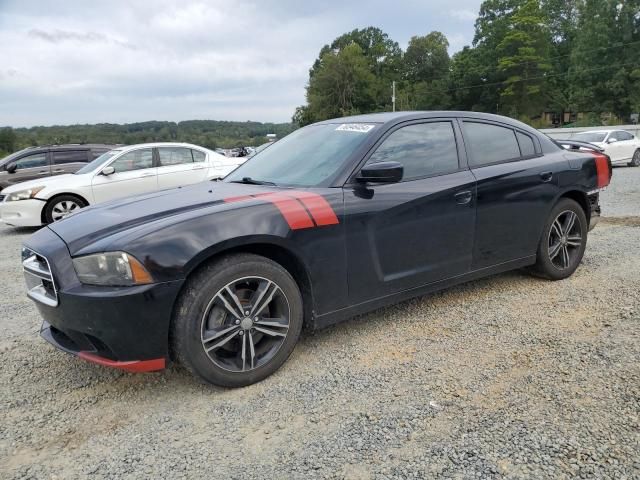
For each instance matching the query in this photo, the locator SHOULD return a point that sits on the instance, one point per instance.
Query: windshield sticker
(355, 127)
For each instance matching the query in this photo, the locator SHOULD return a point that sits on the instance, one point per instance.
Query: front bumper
(22, 213)
(121, 327)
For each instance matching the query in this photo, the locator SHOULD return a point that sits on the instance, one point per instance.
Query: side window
(490, 143)
(96, 153)
(621, 135)
(198, 156)
(136, 160)
(423, 149)
(73, 156)
(174, 156)
(526, 144)
(32, 161)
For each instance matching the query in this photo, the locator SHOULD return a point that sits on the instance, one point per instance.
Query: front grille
(40, 283)
(2, 197)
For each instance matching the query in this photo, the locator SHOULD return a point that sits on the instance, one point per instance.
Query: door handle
(58, 171)
(43, 173)
(197, 168)
(147, 175)
(546, 176)
(464, 197)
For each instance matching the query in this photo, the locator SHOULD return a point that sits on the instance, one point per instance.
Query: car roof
(397, 117)
(159, 144)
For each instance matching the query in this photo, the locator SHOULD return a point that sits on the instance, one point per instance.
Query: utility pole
(393, 95)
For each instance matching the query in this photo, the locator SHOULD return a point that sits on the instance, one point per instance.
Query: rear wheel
(237, 321)
(635, 160)
(563, 241)
(59, 207)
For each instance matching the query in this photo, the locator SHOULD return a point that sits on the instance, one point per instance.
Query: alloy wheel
(565, 239)
(636, 159)
(63, 208)
(245, 324)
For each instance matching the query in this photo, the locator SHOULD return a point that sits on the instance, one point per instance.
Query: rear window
(490, 143)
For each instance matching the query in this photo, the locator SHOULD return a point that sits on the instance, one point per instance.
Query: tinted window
(526, 144)
(620, 135)
(32, 161)
(70, 157)
(490, 143)
(96, 153)
(198, 156)
(174, 156)
(424, 149)
(136, 160)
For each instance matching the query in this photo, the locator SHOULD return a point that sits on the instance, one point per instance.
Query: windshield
(307, 157)
(98, 162)
(591, 136)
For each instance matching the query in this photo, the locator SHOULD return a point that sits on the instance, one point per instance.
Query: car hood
(95, 223)
(67, 180)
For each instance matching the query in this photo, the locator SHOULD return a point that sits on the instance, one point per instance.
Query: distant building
(272, 137)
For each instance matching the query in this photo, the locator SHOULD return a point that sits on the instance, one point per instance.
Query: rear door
(416, 231)
(516, 185)
(179, 166)
(134, 173)
(68, 161)
(30, 167)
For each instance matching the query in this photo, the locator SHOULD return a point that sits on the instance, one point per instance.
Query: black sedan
(336, 219)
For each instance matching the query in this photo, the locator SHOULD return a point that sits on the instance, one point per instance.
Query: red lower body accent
(129, 366)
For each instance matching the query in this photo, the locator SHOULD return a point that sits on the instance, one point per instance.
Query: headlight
(23, 194)
(111, 268)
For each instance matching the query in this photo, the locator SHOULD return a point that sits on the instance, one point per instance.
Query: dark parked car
(336, 219)
(48, 160)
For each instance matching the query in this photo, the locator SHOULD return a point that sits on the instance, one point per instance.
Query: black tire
(60, 203)
(200, 312)
(552, 263)
(635, 160)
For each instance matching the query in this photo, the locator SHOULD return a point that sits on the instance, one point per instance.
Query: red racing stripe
(129, 366)
(291, 209)
(318, 206)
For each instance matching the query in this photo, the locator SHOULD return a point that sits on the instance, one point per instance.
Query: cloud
(123, 61)
(464, 14)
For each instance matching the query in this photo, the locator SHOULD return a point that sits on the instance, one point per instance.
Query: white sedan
(622, 147)
(116, 174)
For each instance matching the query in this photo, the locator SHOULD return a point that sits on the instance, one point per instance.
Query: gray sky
(87, 61)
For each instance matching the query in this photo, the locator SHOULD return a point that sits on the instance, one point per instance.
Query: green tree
(341, 85)
(426, 65)
(7, 140)
(524, 59)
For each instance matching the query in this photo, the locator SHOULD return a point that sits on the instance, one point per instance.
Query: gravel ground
(507, 377)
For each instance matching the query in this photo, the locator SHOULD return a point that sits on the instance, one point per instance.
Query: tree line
(207, 133)
(527, 57)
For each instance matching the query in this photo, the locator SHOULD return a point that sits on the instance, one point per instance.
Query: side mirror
(612, 140)
(106, 171)
(381, 172)
(12, 167)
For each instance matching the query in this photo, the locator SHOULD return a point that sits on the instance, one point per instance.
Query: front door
(134, 174)
(30, 167)
(417, 231)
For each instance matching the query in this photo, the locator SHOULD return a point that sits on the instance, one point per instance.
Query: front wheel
(59, 207)
(237, 321)
(563, 241)
(635, 160)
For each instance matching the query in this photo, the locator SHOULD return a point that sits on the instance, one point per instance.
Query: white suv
(622, 147)
(116, 174)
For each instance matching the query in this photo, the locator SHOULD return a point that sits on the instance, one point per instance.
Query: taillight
(603, 170)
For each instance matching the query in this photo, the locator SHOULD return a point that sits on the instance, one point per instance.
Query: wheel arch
(57, 195)
(268, 248)
(580, 198)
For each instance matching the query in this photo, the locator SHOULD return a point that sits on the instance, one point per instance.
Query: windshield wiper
(251, 181)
